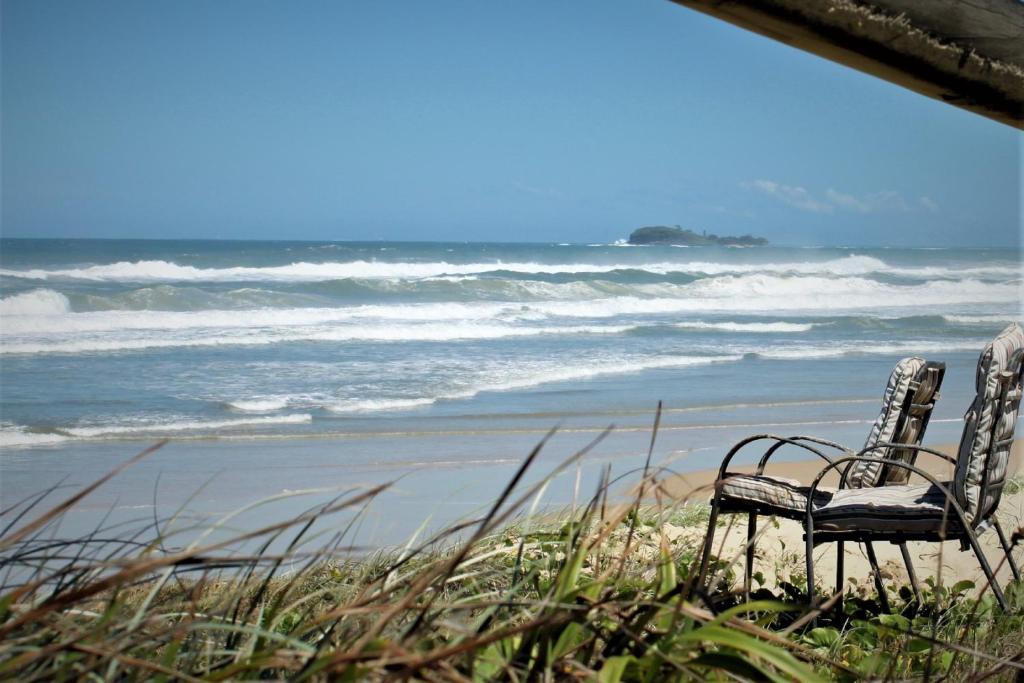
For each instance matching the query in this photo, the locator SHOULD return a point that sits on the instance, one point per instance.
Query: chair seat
(909, 508)
(769, 495)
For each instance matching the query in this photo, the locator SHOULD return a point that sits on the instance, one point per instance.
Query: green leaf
(778, 657)
(613, 668)
(875, 664)
(569, 576)
(722, 661)
(822, 637)
(5, 605)
(894, 621)
(666, 569)
(489, 661)
(572, 635)
(752, 606)
(916, 645)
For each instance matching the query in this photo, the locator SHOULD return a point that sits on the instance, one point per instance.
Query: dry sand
(780, 548)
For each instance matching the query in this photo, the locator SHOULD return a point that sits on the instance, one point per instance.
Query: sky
(571, 121)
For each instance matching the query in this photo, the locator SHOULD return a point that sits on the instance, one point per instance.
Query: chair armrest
(813, 439)
(912, 447)
(780, 441)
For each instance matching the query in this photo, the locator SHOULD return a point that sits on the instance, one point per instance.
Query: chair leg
(840, 558)
(709, 539)
(976, 547)
(911, 573)
(809, 536)
(879, 586)
(1007, 549)
(749, 569)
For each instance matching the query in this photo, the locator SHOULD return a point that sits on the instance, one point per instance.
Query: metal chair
(907, 405)
(961, 509)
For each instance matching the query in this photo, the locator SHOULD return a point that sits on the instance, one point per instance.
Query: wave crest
(302, 271)
(185, 426)
(35, 302)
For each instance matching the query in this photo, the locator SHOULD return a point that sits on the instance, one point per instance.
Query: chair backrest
(907, 404)
(989, 425)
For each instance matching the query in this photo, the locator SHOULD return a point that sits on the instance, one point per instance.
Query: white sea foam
(261, 405)
(384, 332)
(379, 405)
(526, 375)
(101, 331)
(758, 293)
(909, 348)
(35, 302)
(978, 319)
(597, 369)
(186, 426)
(725, 293)
(516, 376)
(16, 436)
(166, 271)
(748, 327)
(507, 377)
(103, 321)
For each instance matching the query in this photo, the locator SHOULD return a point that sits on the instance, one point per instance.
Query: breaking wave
(754, 293)
(168, 271)
(185, 426)
(17, 436)
(35, 302)
(422, 332)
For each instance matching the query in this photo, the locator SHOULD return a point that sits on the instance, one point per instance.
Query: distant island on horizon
(676, 236)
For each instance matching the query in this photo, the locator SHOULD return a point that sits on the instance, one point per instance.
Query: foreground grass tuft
(603, 592)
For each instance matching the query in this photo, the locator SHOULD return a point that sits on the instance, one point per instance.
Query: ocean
(273, 363)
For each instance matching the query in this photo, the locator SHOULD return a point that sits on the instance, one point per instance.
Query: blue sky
(528, 121)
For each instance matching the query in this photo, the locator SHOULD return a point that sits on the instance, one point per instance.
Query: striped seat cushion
(769, 495)
(914, 508)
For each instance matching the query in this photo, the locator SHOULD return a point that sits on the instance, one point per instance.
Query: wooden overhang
(969, 53)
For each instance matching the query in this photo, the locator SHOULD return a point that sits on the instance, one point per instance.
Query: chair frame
(801, 441)
(966, 531)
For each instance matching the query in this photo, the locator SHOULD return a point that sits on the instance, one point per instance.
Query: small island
(676, 236)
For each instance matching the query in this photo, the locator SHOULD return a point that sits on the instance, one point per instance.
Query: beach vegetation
(605, 590)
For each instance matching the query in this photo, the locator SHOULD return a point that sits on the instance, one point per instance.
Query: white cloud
(887, 200)
(846, 201)
(833, 200)
(793, 195)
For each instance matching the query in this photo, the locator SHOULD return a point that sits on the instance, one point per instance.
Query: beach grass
(603, 591)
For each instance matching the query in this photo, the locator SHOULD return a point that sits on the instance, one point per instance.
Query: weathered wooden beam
(969, 53)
